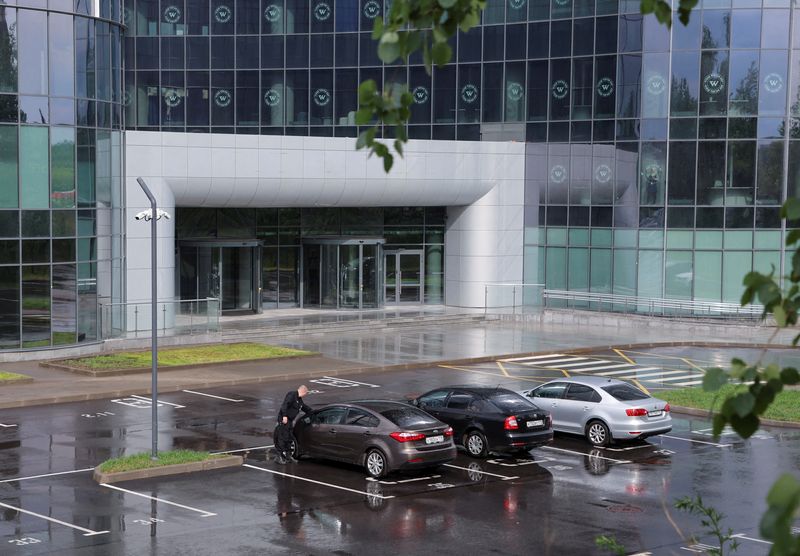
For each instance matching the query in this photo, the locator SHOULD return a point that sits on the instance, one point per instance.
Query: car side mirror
(415, 402)
(307, 420)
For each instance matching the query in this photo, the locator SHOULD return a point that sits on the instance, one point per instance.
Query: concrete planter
(178, 469)
(11, 381)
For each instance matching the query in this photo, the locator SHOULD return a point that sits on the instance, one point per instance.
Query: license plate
(537, 423)
(434, 439)
(654, 413)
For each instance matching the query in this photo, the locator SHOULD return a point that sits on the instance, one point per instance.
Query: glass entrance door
(404, 276)
(228, 273)
(342, 273)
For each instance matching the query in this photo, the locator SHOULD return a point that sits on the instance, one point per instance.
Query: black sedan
(488, 419)
(381, 436)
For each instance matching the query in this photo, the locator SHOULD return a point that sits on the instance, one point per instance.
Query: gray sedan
(381, 436)
(601, 409)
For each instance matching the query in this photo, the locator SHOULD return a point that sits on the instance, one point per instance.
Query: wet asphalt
(555, 502)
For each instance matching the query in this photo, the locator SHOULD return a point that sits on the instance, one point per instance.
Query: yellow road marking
(641, 386)
(689, 362)
(625, 357)
(489, 374)
(505, 372)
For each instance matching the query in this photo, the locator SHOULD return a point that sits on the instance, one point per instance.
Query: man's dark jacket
(292, 405)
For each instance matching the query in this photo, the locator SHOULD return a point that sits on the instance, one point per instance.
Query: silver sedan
(601, 409)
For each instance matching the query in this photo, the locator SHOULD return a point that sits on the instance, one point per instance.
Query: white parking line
(533, 357)
(584, 454)
(317, 482)
(697, 441)
(588, 362)
(603, 367)
(743, 536)
(682, 377)
(205, 513)
(633, 369)
(47, 475)
(690, 383)
(245, 449)
(554, 361)
(6, 426)
(159, 401)
(648, 375)
(504, 477)
(86, 532)
(212, 396)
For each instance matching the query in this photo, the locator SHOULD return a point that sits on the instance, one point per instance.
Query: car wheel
(597, 433)
(475, 443)
(375, 464)
(294, 449)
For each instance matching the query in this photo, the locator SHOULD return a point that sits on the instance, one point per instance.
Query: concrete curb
(12, 381)
(694, 412)
(139, 370)
(177, 469)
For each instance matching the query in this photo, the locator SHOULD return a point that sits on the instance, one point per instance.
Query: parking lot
(556, 501)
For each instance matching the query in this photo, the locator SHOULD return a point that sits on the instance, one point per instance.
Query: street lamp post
(153, 216)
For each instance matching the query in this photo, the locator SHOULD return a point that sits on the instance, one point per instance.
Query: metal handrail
(654, 305)
(514, 286)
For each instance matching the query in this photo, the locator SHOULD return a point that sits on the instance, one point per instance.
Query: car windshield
(625, 392)
(408, 417)
(508, 402)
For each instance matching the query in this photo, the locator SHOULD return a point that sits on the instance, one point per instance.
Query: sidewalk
(359, 352)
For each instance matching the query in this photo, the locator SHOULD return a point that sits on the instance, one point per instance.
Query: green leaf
(780, 315)
(718, 423)
(743, 404)
(361, 142)
(364, 115)
(446, 4)
(792, 237)
(441, 53)
(388, 52)
(790, 376)
(744, 426)
(388, 161)
(791, 209)
(714, 379)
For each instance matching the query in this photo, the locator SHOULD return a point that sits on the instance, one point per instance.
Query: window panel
(711, 173)
(685, 83)
(9, 195)
(32, 52)
(33, 169)
(35, 306)
(681, 173)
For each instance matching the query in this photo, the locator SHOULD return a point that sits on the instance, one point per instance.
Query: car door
(353, 434)
(577, 405)
(320, 437)
(456, 413)
(433, 402)
(549, 397)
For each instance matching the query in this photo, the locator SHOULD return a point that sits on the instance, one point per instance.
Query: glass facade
(60, 170)
(313, 256)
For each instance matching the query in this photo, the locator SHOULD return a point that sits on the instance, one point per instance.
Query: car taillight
(448, 431)
(666, 408)
(511, 423)
(549, 421)
(638, 412)
(407, 436)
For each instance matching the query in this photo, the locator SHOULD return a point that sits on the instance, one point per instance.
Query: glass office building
(655, 160)
(60, 169)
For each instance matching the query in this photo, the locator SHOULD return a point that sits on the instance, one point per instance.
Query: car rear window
(509, 402)
(409, 417)
(625, 392)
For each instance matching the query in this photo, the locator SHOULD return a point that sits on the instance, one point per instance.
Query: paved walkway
(351, 352)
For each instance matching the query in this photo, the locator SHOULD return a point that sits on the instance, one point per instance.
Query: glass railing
(513, 298)
(175, 318)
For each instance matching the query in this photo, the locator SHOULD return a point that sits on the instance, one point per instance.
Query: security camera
(148, 215)
(144, 215)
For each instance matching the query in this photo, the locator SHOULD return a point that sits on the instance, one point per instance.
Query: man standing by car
(292, 405)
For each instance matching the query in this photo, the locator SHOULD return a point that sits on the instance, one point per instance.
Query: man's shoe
(292, 459)
(280, 459)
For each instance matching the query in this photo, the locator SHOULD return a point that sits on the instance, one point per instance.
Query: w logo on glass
(172, 14)
(272, 98)
(272, 13)
(420, 95)
(322, 11)
(603, 173)
(605, 87)
(773, 83)
(713, 83)
(372, 9)
(172, 98)
(222, 98)
(516, 4)
(223, 14)
(560, 89)
(322, 97)
(514, 91)
(469, 93)
(656, 84)
(558, 173)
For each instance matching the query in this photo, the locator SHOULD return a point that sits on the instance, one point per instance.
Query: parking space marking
(746, 538)
(554, 361)
(381, 496)
(518, 463)
(6, 426)
(683, 377)
(159, 401)
(697, 441)
(267, 447)
(212, 396)
(584, 454)
(634, 369)
(341, 382)
(626, 449)
(496, 375)
(86, 532)
(47, 475)
(533, 357)
(504, 477)
(203, 512)
(603, 367)
(587, 362)
(648, 374)
(415, 479)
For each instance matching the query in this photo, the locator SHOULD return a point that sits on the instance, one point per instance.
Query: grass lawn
(170, 357)
(135, 462)
(11, 376)
(786, 406)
